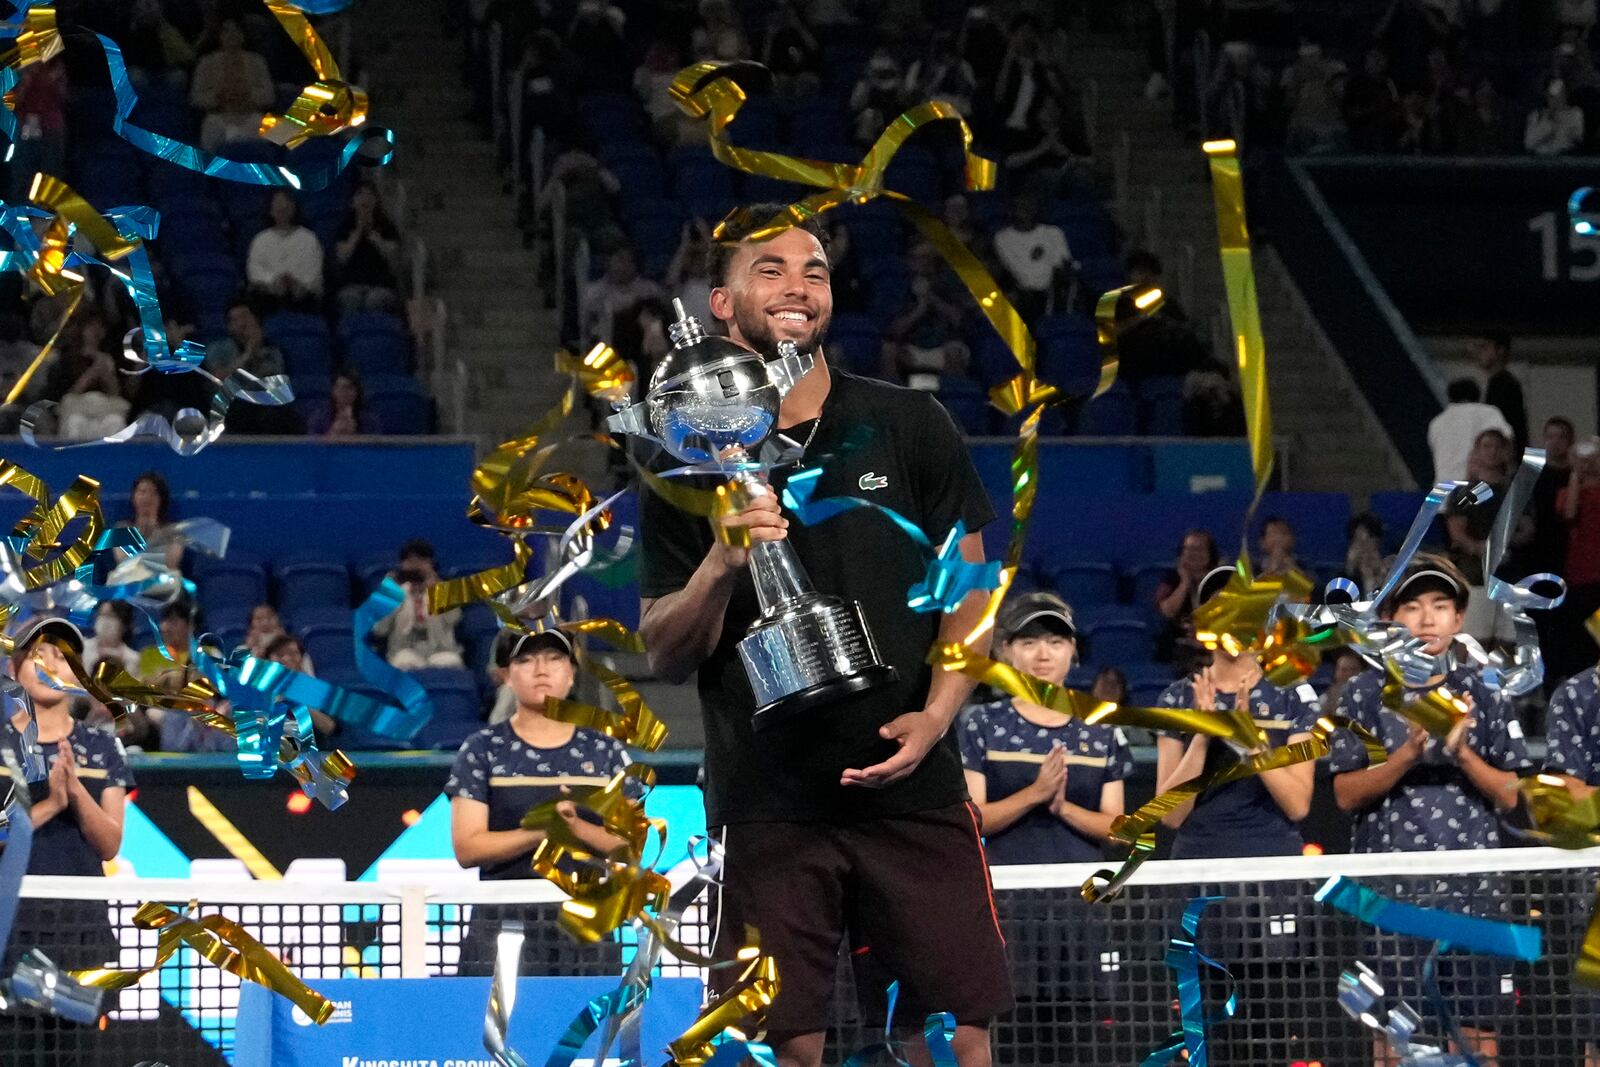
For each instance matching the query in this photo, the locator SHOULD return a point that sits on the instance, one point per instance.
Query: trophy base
(786, 708)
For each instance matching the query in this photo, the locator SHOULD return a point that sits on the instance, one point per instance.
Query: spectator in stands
(1454, 431)
(1575, 19)
(156, 51)
(543, 79)
(1197, 556)
(1239, 99)
(1346, 665)
(1363, 559)
(77, 810)
(346, 414)
(1036, 263)
(113, 625)
(1256, 816)
(1556, 126)
(1468, 527)
(265, 627)
(85, 383)
(1579, 504)
(1035, 806)
(41, 115)
(168, 666)
(589, 189)
(188, 733)
(982, 44)
(1501, 387)
(1027, 82)
(150, 512)
(1372, 104)
(1435, 794)
(614, 292)
(245, 348)
(598, 44)
(1049, 165)
(284, 268)
(1548, 552)
(720, 34)
(1277, 548)
(1110, 685)
(288, 650)
(941, 74)
(17, 354)
(652, 83)
(1213, 405)
(1160, 344)
(791, 52)
(527, 760)
(924, 342)
(416, 637)
(850, 292)
(1484, 125)
(689, 273)
(232, 86)
(1314, 90)
(877, 96)
(653, 318)
(368, 253)
(1421, 128)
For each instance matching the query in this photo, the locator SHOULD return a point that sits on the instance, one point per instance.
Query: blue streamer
(732, 1053)
(1469, 933)
(415, 707)
(14, 864)
(938, 1031)
(1576, 216)
(215, 166)
(1184, 958)
(619, 1001)
(949, 579)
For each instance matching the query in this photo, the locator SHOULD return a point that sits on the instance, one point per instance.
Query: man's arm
(682, 628)
(918, 731)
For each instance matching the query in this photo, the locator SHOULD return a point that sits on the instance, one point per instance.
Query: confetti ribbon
(38, 983)
(1559, 820)
(191, 158)
(1487, 937)
(1138, 828)
(221, 942)
(950, 577)
(751, 995)
(18, 847)
(414, 708)
(1359, 992)
(1184, 958)
(938, 1031)
(33, 28)
(326, 107)
(1586, 967)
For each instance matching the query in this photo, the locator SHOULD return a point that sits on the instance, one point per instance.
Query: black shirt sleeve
(947, 483)
(671, 545)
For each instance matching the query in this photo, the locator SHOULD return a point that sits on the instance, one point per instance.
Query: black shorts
(909, 894)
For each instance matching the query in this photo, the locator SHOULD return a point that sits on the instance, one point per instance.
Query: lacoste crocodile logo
(873, 481)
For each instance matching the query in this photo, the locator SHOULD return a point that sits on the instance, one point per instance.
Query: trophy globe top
(710, 394)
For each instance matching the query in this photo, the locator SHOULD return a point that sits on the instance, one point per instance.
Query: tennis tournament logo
(342, 1013)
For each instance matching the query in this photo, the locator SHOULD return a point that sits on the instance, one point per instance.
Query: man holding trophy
(832, 781)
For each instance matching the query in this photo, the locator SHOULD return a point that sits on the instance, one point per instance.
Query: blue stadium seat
(222, 615)
(857, 336)
(815, 120)
(231, 636)
(372, 567)
(457, 709)
(655, 240)
(1146, 579)
(1112, 644)
(646, 207)
(639, 175)
(1081, 677)
(192, 231)
(1082, 584)
(1110, 415)
(966, 402)
(696, 174)
(992, 361)
(608, 115)
(1319, 521)
(1145, 694)
(1087, 228)
(600, 601)
(377, 353)
(915, 173)
(305, 355)
(613, 151)
(401, 411)
(330, 646)
(338, 615)
(1161, 406)
(759, 188)
(757, 124)
(229, 582)
(1069, 352)
(302, 583)
(842, 60)
(1396, 509)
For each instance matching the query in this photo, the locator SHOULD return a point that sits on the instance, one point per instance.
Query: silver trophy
(712, 403)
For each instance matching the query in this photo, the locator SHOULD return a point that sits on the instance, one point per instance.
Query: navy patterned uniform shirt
(1434, 807)
(59, 846)
(498, 768)
(1572, 728)
(1007, 749)
(1240, 818)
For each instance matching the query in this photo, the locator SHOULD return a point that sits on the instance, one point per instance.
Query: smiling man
(851, 822)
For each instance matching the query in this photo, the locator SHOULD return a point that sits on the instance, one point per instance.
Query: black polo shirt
(895, 447)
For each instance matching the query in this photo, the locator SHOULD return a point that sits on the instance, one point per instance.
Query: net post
(413, 931)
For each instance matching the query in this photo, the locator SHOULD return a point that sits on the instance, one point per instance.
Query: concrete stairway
(1168, 208)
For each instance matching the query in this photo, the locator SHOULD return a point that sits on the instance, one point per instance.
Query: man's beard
(756, 329)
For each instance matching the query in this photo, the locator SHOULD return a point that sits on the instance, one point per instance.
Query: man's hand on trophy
(916, 733)
(761, 518)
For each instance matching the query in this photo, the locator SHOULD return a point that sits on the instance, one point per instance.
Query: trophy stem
(779, 579)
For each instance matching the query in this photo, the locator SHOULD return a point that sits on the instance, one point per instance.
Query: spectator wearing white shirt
(1034, 259)
(615, 291)
(285, 262)
(1556, 127)
(233, 87)
(1454, 431)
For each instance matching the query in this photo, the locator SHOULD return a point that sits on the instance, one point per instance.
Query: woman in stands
(1436, 794)
(505, 770)
(1255, 816)
(346, 414)
(1046, 785)
(150, 512)
(1175, 598)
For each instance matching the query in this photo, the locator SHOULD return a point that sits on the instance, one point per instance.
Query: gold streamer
(1138, 829)
(229, 837)
(1436, 710)
(1586, 968)
(326, 107)
(39, 42)
(221, 942)
(1235, 619)
(752, 995)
